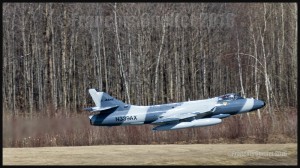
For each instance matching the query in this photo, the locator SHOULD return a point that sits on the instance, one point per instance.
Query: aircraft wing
(165, 120)
(177, 118)
(200, 110)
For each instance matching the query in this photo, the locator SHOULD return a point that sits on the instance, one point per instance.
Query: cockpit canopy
(230, 96)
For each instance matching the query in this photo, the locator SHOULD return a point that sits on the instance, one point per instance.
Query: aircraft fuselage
(137, 115)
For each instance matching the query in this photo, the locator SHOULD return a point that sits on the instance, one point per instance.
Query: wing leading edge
(195, 109)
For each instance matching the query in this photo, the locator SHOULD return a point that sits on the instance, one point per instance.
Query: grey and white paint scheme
(199, 113)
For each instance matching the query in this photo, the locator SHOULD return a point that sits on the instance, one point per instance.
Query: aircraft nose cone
(258, 104)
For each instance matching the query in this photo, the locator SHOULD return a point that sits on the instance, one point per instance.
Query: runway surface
(193, 154)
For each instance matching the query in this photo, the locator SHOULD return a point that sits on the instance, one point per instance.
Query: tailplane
(103, 101)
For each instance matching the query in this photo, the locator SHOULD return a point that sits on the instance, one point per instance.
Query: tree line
(146, 53)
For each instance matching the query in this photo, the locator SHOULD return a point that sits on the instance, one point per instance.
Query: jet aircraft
(199, 113)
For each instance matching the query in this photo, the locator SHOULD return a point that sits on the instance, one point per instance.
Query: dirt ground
(194, 154)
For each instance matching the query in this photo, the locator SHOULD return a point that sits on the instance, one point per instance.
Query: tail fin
(104, 100)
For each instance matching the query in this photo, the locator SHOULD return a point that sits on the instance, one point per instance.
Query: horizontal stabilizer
(99, 109)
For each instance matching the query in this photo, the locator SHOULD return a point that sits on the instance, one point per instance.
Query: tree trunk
(158, 60)
(64, 58)
(120, 61)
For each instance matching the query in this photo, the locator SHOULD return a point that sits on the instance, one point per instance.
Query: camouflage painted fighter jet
(112, 112)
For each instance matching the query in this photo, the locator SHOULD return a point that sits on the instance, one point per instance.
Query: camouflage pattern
(113, 112)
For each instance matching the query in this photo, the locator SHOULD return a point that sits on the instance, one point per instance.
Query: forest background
(146, 54)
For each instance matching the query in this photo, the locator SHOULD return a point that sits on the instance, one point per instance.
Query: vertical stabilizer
(96, 96)
(104, 100)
